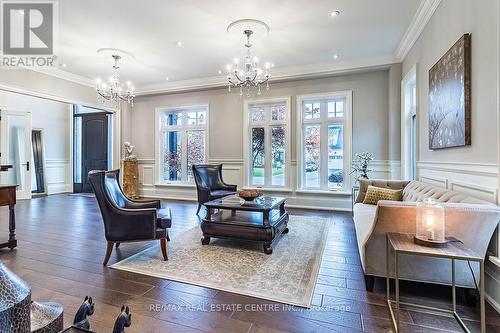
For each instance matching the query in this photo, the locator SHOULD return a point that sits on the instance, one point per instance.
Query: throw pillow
(374, 194)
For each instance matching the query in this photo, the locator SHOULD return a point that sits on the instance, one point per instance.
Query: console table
(8, 198)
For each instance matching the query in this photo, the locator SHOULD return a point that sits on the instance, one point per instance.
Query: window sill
(269, 189)
(173, 184)
(332, 192)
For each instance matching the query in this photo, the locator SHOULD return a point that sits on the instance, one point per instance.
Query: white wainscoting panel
(474, 179)
(436, 181)
(477, 180)
(481, 192)
(58, 176)
(233, 173)
(385, 169)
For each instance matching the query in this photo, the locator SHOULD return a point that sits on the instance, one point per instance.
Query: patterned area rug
(288, 275)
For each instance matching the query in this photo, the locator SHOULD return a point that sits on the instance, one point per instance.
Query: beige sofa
(471, 220)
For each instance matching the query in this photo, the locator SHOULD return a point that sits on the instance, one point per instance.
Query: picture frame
(450, 97)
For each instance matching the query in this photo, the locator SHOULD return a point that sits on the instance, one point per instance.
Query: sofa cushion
(392, 184)
(364, 220)
(375, 194)
(418, 191)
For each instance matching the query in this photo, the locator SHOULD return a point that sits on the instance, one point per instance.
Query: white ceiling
(302, 34)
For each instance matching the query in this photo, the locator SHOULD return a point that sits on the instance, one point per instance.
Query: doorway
(15, 140)
(37, 172)
(92, 138)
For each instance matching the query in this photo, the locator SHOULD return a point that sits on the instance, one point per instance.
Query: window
(267, 142)
(324, 122)
(182, 137)
(409, 128)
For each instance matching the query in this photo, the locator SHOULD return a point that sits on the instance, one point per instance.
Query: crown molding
(417, 25)
(64, 75)
(279, 75)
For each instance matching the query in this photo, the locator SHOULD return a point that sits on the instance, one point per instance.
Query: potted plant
(360, 165)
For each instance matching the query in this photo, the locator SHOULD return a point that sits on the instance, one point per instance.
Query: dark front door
(94, 145)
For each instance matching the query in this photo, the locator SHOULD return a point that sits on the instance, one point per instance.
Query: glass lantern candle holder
(430, 224)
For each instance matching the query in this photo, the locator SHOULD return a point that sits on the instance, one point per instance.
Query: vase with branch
(360, 165)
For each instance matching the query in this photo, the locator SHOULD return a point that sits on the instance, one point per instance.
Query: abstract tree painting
(449, 98)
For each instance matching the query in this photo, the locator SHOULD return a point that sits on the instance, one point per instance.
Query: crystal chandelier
(114, 90)
(248, 74)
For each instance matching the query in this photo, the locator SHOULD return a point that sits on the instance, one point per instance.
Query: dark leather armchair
(128, 220)
(209, 183)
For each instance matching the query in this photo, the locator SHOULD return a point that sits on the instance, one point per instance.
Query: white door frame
(4, 146)
(406, 158)
(116, 121)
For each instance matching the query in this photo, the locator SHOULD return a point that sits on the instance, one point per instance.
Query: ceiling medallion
(114, 90)
(247, 73)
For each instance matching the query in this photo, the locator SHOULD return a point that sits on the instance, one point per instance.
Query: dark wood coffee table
(262, 220)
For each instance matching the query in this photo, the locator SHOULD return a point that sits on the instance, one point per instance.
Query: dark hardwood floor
(61, 246)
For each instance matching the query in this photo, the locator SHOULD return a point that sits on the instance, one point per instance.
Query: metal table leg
(396, 259)
(387, 280)
(453, 289)
(481, 297)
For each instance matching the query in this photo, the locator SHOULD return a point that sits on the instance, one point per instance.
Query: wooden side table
(8, 198)
(131, 178)
(403, 244)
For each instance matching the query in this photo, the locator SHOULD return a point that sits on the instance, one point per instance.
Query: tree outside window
(268, 144)
(184, 142)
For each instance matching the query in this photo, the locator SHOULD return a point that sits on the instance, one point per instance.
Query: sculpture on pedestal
(130, 172)
(129, 149)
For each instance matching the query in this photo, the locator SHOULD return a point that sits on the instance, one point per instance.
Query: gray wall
(451, 20)
(370, 114)
(54, 119)
(46, 84)
(472, 169)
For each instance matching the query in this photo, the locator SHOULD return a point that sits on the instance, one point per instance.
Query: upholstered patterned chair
(128, 220)
(209, 183)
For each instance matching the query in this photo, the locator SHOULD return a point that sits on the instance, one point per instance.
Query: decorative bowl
(249, 195)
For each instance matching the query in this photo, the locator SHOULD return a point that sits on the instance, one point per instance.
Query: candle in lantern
(430, 226)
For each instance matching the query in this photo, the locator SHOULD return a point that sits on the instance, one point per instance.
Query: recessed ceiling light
(167, 79)
(64, 65)
(220, 72)
(335, 13)
(178, 43)
(335, 56)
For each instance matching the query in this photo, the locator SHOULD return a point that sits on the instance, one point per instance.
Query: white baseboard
(492, 302)
(59, 188)
(492, 281)
(319, 208)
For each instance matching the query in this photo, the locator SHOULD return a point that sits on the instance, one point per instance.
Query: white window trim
(158, 143)
(347, 141)
(246, 142)
(407, 111)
